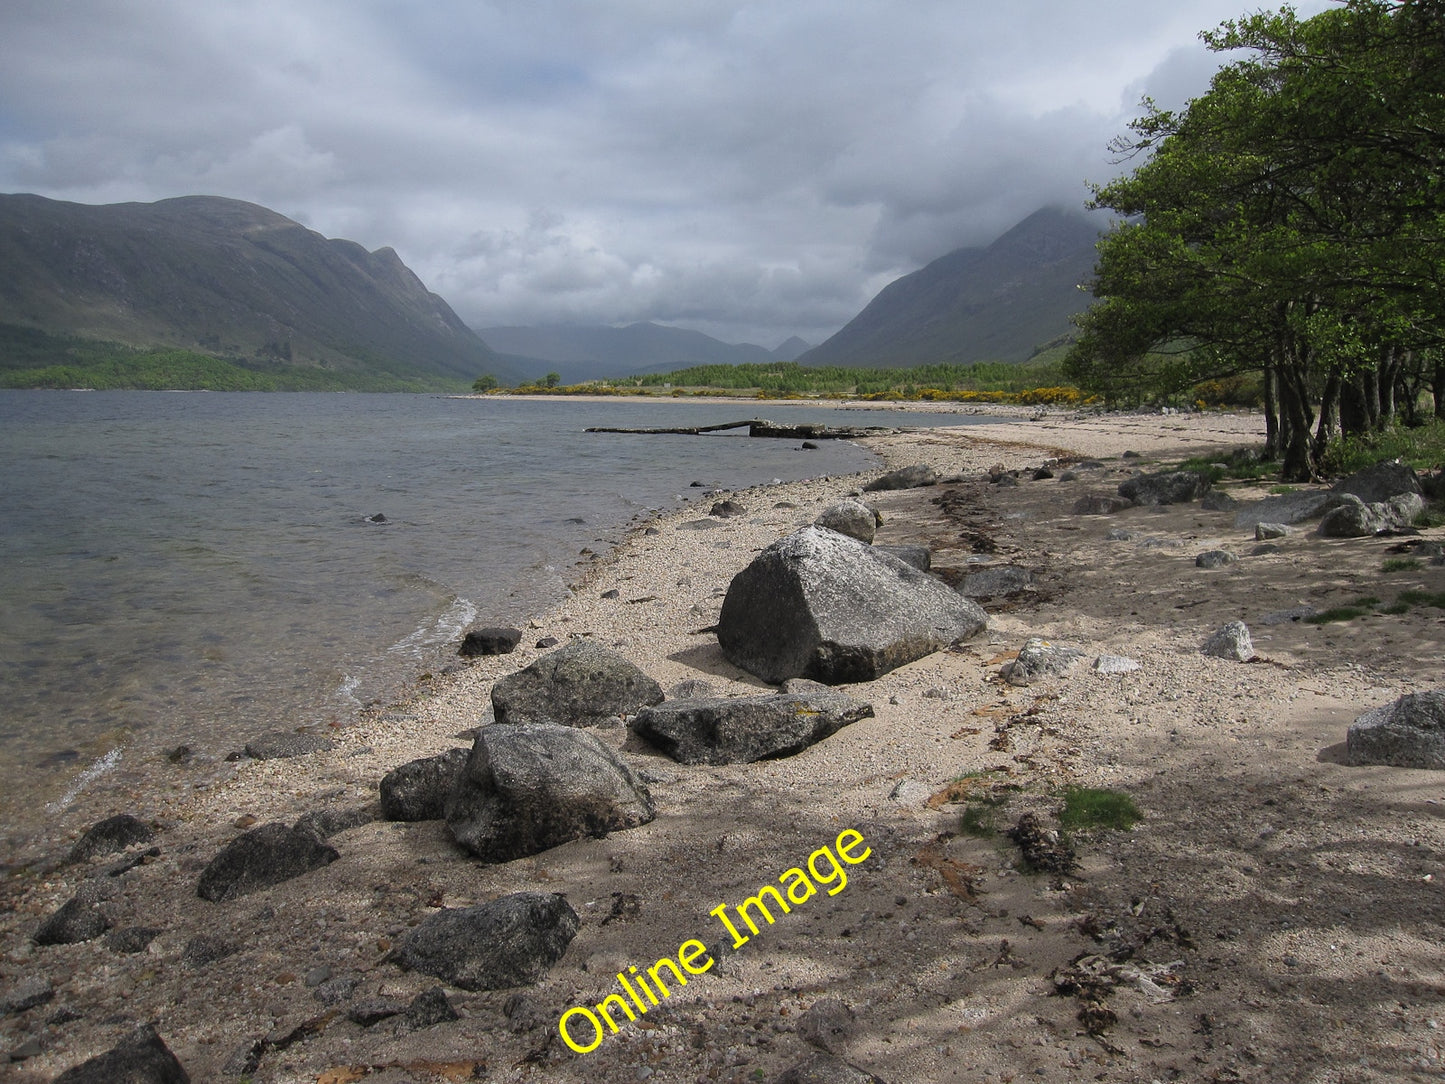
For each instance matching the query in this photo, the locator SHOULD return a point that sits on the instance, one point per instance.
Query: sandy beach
(1276, 915)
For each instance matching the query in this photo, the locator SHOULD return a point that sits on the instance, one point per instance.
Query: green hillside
(119, 295)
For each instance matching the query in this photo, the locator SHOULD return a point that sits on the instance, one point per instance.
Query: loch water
(196, 569)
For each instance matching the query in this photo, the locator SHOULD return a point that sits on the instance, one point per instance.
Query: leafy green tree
(1289, 222)
(551, 380)
(484, 383)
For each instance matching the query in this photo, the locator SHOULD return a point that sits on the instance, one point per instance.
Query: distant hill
(976, 304)
(594, 352)
(221, 279)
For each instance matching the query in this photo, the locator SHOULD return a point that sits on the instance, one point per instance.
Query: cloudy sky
(751, 170)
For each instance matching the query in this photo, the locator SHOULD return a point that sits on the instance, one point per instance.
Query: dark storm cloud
(749, 169)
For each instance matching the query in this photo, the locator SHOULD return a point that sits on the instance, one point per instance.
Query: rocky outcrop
(920, 474)
(511, 941)
(530, 786)
(418, 790)
(820, 605)
(1166, 487)
(850, 517)
(738, 730)
(143, 1058)
(263, 857)
(1040, 658)
(1408, 733)
(491, 640)
(578, 685)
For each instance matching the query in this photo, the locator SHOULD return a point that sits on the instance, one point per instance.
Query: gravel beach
(1276, 915)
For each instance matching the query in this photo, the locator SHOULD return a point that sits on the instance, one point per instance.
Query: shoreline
(913, 946)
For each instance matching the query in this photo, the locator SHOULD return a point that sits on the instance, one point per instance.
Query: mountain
(228, 279)
(976, 304)
(591, 352)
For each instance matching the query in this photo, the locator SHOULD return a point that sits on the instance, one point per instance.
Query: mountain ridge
(232, 280)
(994, 303)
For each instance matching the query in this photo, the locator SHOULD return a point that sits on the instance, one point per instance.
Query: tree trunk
(1437, 389)
(1296, 418)
(1271, 414)
(1329, 416)
(1389, 370)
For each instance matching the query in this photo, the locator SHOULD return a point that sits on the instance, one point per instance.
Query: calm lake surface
(199, 568)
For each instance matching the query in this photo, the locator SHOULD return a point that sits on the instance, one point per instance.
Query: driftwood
(759, 427)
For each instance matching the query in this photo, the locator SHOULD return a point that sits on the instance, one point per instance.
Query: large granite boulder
(530, 786)
(1285, 508)
(821, 605)
(1347, 516)
(578, 685)
(738, 730)
(913, 477)
(142, 1058)
(1408, 733)
(263, 857)
(1377, 484)
(418, 790)
(511, 941)
(1166, 487)
(850, 517)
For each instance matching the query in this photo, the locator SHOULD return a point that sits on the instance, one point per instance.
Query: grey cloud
(753, 170)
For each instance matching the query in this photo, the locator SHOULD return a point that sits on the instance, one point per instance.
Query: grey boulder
(110, 835)
(1232, 641)
(1166, 487)
(1347, 516)
(1040, 658)
(904, 478)
(739, 730)
(920, 557)
(1000, 582)
(1284, 508)
(531, 786)
(77, 920)
(578, 685)
(418, 790)
(142, 1058)
(1377, 484)
(1408, 733)
(821, 605)
(490, 640)
(1214, 559)
(1265, 531)
(511, 941)
(850, 517)
(263, 857)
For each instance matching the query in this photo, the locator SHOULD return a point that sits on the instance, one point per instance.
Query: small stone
(1230, 642)
(828, 1025)
(429, 1008)
(27, 995)
(727, 509)
(77, 920)
(207, 948)
(613, 593)
(374, 1010)
(1115, 664)
(317, 975)
(1265, 531)
(1038, 658)
(491, 640)
(1214, 559)
(110, 835)
(284, 744)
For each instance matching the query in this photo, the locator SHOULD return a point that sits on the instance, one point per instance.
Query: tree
(1289, 222)
(551, 380)
(484, 383)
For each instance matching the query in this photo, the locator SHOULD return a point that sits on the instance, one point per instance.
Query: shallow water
(199, 568)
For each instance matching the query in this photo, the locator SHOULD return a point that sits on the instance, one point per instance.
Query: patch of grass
(1433, 515)
(1400, 564)
(1366, 602)
(1422, 447)
(1336, 613)
(980, 819)
(1089, 807)
(1421, 598)
(1396, 608)
(1243, 464)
